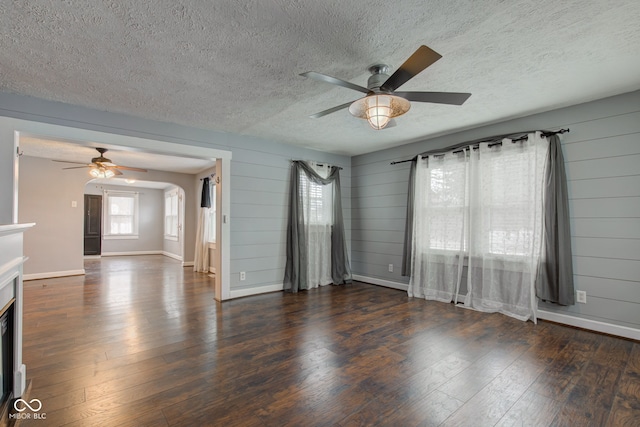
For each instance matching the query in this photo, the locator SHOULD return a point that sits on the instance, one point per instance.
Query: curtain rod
(317, 163)
(213, 175)
(493, 138)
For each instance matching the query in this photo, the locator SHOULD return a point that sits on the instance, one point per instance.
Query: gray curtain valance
(295, 275)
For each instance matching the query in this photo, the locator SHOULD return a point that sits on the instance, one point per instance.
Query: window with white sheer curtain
(317, 204)
(480, 209)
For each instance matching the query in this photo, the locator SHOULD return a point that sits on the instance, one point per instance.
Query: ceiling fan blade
(127, 168)
(452, 98)
(334, 81)
(421, 59)
(77, 167)
(64, 161)
(330, 110)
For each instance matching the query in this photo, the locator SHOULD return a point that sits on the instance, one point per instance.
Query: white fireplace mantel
(11, 261)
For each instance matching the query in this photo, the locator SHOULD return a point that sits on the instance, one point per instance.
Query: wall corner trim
(381, 282)
(52, 274)
(245, 292)
(174, 256)
(592, 325)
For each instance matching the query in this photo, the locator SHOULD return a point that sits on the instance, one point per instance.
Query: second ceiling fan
(101, 167)
(382, 103)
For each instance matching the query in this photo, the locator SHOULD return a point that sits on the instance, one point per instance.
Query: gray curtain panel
(554, 282)
(295, 274)
(205, 197)
(408, 228)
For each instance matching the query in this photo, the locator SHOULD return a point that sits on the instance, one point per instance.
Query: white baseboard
(52, 274)
(592, 325)
(92, 257)
(255, 291)
(187, 263)
(132, 253)
(170, 255)
(381, 282)
(578, 322)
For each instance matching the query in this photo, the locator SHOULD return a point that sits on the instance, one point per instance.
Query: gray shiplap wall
(259, 178)
(259, 188)
(602, 155)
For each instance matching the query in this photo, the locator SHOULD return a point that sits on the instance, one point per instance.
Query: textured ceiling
(233, 66)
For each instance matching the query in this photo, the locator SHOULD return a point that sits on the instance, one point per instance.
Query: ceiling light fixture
(378, 109)
(101, 172)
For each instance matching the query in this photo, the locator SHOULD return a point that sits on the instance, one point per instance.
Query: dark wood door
(92, 224)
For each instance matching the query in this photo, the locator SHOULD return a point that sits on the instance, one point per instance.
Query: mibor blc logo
(33, 406)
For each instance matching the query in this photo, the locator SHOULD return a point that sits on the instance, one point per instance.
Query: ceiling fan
(382, 102)
(101, 167)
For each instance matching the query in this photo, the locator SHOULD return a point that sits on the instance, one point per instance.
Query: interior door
(92, 224)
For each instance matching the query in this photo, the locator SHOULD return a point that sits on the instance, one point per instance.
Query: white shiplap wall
(602, 155)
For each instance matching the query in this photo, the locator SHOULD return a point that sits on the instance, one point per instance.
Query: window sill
(212, 245)
(120, 237)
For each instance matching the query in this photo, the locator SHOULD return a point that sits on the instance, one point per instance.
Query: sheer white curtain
(317, 203)
(480, 209)
(439, 226)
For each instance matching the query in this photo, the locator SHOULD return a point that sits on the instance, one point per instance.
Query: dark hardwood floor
(140, 341)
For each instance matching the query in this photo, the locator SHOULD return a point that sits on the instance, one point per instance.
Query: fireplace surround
(11, 300)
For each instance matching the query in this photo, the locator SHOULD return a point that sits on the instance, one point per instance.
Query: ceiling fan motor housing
(378, 77)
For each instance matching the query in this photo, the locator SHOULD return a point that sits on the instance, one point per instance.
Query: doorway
(92, 224)
(72, 135)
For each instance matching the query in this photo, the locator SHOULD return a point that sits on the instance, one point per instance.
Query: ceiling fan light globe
(379, 109)
(101, 172)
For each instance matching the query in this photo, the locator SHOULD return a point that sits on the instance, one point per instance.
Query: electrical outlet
(243, 275)
(581, 297)
(390, 268)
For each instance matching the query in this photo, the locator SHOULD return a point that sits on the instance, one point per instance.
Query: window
(317, 199)
(171, 218)
(510, 202)
(121, 219)
(212, 215)
(480, 209)
(464, 195)
(445, 210)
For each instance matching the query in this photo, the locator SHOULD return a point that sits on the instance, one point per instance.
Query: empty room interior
(320, 213)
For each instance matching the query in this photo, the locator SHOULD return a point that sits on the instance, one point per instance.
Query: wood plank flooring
(140, 341)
